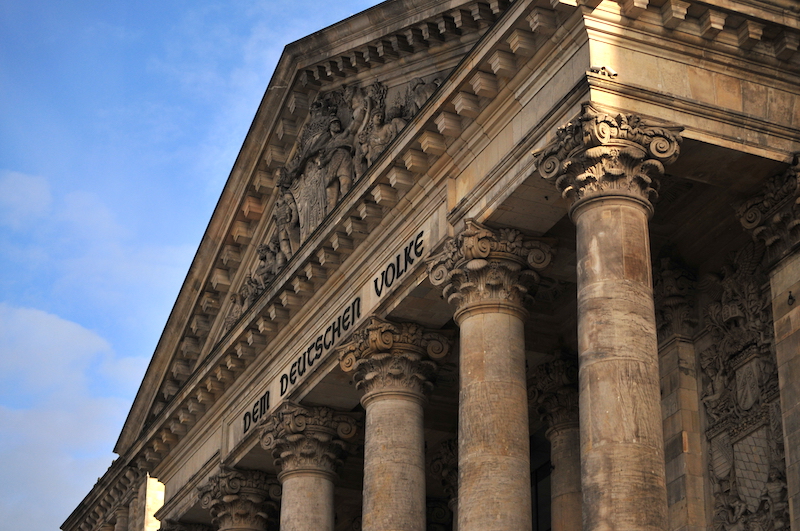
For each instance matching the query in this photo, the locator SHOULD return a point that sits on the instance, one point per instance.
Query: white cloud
(56, 434)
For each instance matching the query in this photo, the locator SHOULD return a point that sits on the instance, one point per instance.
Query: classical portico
(492, 265)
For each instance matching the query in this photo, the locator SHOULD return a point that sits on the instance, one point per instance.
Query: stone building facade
(491, 265)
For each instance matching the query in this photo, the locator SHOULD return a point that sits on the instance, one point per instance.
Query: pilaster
(676, 317)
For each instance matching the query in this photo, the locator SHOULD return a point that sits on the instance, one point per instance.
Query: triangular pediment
(372, 85)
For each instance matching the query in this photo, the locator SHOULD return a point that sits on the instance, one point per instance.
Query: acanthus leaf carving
(600, 153)
(385, 355)
(673, 285)
(444, 466)
(553, 390)
(483, 264)
(773, 217)
(308, 438)
(241, 499)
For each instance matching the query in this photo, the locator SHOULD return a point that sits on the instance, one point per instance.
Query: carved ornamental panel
(741, 400)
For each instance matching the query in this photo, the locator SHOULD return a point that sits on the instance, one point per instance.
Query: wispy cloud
(58, 444)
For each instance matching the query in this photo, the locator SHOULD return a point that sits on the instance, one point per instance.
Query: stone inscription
(302, 363)
(322, 345)
(397, 267)
(259, 410)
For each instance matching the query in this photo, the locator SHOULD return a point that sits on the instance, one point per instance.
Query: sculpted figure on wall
(347, 130)
(741, 399)
(375, 139)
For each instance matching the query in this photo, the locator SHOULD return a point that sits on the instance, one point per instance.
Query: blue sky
(120, 123)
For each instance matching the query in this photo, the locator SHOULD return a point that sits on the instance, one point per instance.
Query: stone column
(392, 364)
(308, 444)
(554, 393)
(608, 165)
(444, 466)
(241, 500)
(773, 218)
(485, 272)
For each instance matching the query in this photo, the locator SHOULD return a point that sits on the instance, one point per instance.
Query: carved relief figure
(740, 396)
(418, 93)
(379, 135)
(338, 163)
(346, 131)
(265, 271)
(287, 218)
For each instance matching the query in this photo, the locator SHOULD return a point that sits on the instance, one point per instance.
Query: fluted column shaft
(486, 274)
(392, 364)
(609, 166)
(308, 444)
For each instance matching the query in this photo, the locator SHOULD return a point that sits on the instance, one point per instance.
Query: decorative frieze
(241, 499)
(741, 399)
(773, 216)
(384, 355)
(484, 264)
(307, 438)
(600, 153)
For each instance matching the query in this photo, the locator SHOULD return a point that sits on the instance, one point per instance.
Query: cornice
(737, 120)
(228, 209)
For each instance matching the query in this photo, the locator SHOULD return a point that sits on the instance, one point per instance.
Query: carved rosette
(241, 499)
(444, 466)
(307, 438)
(482, 264)
(600, 154)
(553, 392)
(387, 356)
(673, 284)
(773, 217)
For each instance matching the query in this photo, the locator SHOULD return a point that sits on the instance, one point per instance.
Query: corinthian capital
(602, 154)
(774, 215)
(444, 466)
(482, 264)
(384, 355)
(307, 438)
(553, 392)
(241, 499)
